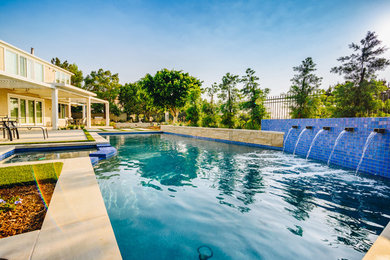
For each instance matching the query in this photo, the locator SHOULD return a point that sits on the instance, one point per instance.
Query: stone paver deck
(54, 136)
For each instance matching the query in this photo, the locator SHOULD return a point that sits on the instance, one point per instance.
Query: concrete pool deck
(76, 225)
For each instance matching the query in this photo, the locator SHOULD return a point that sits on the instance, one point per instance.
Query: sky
(207, 39)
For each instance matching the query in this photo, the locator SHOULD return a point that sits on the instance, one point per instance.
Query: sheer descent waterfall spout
(299, 137)
(335, 144)
(366, 145)
(285, 141)
(312, 142)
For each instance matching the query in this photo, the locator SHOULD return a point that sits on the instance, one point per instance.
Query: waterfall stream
(299, 137)
(335, 144)
(366, 145)
(312, 142)
(285, 141)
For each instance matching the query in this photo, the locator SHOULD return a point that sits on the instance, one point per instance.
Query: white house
(36, 92)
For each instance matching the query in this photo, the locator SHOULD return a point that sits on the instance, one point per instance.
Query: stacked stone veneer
(261, 138)
(350, 147)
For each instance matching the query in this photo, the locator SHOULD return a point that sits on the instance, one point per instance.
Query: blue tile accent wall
(349, 149)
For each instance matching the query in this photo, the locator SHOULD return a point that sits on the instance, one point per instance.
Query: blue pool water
(167, 195)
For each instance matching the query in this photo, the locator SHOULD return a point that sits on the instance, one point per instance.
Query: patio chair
(11, 128)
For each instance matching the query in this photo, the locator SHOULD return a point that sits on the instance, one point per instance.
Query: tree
(77, 78)
(209, 114)
(169, 89)
(193, 109)
(230, 94)
(364, 63)
(135, 100)
(211, 91)
(305, 84)
(360, 94)
(255, 99)
(105, 85)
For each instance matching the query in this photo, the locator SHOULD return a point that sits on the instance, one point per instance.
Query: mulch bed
(29, 215)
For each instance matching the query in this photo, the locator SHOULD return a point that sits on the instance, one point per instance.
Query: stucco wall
(1, 58)
(50, 74)
(267, 138)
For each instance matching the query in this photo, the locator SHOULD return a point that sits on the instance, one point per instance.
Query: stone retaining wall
(132, 125)
(268, 138)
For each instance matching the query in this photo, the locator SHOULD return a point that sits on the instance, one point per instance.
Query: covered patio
(45, 104)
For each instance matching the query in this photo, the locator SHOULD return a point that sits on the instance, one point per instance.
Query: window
(67, 79)
(26, 110)
(61, 111)
(38, 109)
(30, 69)
(23, 117)
(14, 108)
(31, 112)
(22, 66)
(58, 77)
(38, 71)
(11, 62)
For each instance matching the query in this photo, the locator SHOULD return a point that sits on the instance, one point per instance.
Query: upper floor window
(30, 69)
(22, 66)
(62, 77)
(11, 62)
(38, 71)
(58, 77)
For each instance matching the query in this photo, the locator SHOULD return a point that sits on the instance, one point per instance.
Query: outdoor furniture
(9, 126)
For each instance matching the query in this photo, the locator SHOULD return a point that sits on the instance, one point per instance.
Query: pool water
(48, 155)
(168, 195)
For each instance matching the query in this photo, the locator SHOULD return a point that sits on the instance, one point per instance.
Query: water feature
(285, 141)
(335, 144)
(171, 197)
(366, 145)
(312, 142)
(299, 137)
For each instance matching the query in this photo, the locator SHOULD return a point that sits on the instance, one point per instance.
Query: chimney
(32, 51)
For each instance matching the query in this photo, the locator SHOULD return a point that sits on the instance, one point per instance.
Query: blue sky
(205, 38)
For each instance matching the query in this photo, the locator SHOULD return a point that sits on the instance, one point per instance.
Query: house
(36, 92)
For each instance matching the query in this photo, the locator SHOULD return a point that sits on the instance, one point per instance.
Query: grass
(88, 135)
(21, 174)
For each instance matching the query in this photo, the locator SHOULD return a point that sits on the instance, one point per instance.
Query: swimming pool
(48, 155)
(167, 195)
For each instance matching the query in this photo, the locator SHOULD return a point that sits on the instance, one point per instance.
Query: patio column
(69, 110)
(107, 113)
(83, 115)
(54, 108)
(89, 115)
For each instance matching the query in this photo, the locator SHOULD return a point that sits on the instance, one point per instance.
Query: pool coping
(76, 225)
(381, 247)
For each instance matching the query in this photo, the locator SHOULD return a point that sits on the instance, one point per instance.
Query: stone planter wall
(265, 138)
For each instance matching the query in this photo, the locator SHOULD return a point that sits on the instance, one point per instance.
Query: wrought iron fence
(278, 107)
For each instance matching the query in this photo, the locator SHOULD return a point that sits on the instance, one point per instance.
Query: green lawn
(13, 175)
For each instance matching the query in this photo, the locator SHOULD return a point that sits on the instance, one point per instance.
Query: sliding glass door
(27, 110)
